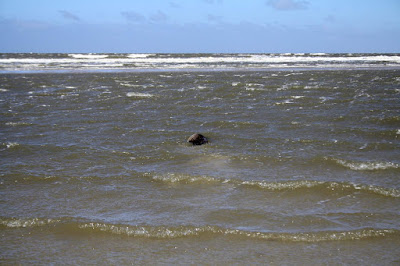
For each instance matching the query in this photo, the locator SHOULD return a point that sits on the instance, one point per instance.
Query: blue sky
(255, 26)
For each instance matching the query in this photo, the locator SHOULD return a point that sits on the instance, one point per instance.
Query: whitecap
(139, 55)
(129, 85)
(18, 223)
(139, 95)
(170, 232)
(183, 178)
(10, 145)
(288, 101)
(323, 99)
(318, 54)
(367, 166)
(3, 90)
(104, 61)
(177, 178)
(14, 124)
(364, 146)
(88, 56)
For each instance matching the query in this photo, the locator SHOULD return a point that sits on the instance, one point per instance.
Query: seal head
(197, 139)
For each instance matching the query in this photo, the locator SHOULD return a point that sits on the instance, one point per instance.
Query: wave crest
(21, 223)
(165, 232)
(292, 185)
(306, 184)
(139, 95)
(184, 178)
(171, 232)
(366, 166)
(10, 145)
(279, 186)
(88, 56)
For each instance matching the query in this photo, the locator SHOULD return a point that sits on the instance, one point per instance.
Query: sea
(302, 165)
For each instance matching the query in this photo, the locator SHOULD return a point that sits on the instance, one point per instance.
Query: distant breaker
(197, 139)
(88, 56)
(14, 63)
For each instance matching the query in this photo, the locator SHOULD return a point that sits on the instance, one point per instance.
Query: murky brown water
(302, 167)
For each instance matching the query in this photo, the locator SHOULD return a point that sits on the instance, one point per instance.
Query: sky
(197, 26)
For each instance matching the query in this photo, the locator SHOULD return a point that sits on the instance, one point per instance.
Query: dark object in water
(197, 139)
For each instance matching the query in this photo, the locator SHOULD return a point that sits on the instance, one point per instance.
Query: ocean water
(302, 167)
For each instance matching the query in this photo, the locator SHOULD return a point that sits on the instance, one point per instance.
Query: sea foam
(88, 56)
(170, 232)
(217, 61)
(367, 166)
(32, 222)
(139, 95)
(291, 185)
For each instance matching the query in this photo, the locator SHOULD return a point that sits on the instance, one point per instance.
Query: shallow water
(302, 167)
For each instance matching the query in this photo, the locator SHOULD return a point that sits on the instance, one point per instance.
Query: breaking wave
(280, 186)
(164, 232)
(366, 166)
(182, 178)
(22, 223)
(139, 95)
(171, 232)
(10, 145)
(88, 56)
(15, 124)
(91, 61)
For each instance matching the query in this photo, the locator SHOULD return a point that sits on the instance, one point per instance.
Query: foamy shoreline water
(194, 70)
(12, 63)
